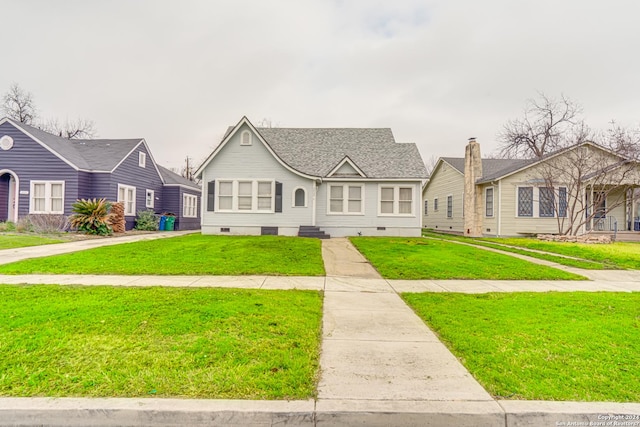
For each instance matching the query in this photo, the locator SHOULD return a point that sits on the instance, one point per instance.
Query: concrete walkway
(342, 259)
(380, 364)
(18, 254)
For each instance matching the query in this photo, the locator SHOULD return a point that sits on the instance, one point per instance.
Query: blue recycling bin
(163, 219)
(636, 224)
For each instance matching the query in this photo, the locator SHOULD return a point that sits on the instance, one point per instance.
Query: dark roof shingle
(97, 155)
(491, 168)
(317, 151)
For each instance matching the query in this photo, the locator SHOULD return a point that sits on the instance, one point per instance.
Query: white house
(312, 182)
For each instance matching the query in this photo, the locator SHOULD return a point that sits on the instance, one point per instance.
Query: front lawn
(12, 241)
(553, 346)
(619, 254)
(420, 258)
(500, 244)
(158, 342)
(193, 254)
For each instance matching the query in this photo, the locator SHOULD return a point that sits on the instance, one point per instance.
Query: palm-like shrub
(92, 216)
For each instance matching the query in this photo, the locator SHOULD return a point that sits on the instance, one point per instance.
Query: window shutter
(211, 195)
(278, 196)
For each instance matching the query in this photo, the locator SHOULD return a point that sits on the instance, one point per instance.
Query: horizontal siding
(31, 161)
(254, 161)
(370, 218)
(489, 223)
(172, 196)
(236, 161)
(444, 182)
(147, 178)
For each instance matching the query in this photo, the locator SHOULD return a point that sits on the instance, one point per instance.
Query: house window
(386, 200)
(435, 205)
(245, 196)
(189, 206)
(545, 202)
(525, 201)
(299, 198)
(265, 195)
(225, 195)
(245, 138)
(142, 159)
(449, 206)
(426, 207)
(405, 201)
(127, 196)
(488, 202)
(149, 198)
(396, 200)
(562, 202)
(47, 197)
(346, 199)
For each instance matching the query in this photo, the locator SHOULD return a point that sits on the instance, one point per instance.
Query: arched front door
(8, 196)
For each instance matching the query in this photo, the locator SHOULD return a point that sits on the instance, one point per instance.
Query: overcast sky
(177, 73)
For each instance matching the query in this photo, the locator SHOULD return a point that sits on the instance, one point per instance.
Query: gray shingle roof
(98, 155)
(172, 178)
(491, 168)
(317, 151)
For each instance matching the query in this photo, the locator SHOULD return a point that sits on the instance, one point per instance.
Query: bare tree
(548, 125)
(19, 105)
(583, 185)
(582, 176)
(431, 163)
(71, 129)
(625, 141)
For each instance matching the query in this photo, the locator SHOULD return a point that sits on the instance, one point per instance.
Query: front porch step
(310, 231)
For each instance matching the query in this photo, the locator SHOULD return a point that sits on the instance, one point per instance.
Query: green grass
(192, 254)
(420, 258)
(501, 242)
(158, 342)
(554, 346)
(624, 255)
(12, 241)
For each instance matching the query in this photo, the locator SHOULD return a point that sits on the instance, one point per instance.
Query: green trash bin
(169, 223)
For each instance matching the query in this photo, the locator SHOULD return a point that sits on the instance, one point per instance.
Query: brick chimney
(472, 195)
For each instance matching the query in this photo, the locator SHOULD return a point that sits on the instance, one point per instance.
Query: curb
(102, 412)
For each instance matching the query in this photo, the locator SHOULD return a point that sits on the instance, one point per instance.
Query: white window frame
(149, 198)
(426, 207)
(235, 186)
(396, 200)
(450, 206)
(189, 206)
(293, 197)
(435, 204)
(486, 205)
(47, 197)
(126, 201)
(142, 159)
(248, 140)
(345, 198)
